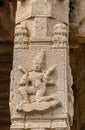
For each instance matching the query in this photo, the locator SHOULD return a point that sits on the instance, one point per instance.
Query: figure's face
(36, 67)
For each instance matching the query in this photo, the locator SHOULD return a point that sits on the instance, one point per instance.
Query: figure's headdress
(38, 61)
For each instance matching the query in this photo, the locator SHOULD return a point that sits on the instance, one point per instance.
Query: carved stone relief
(35, 82)
(42, 97)
(21, 37)
(60, 34)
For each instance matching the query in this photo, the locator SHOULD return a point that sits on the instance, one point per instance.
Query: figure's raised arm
(47, 77)
(25, 78)
(22, 69)
(50, 71)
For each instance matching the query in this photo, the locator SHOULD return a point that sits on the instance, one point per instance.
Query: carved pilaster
(21, 40)
(42, 78)
(60, 36)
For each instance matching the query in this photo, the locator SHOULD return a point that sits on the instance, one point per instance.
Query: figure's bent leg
(40, 93)
(23, 92)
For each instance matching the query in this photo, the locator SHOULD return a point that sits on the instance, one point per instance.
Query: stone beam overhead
(41, 96)
(42, 16)
(49, 8)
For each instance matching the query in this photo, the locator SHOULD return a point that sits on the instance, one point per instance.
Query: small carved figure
(59, 35)
(21, 37)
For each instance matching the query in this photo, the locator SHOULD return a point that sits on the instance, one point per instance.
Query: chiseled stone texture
(41, 96)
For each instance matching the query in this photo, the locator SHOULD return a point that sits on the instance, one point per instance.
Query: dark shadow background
(7, 22)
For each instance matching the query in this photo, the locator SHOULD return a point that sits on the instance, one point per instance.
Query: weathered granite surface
(41, 96)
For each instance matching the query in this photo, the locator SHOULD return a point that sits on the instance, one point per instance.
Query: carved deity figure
(35, 82)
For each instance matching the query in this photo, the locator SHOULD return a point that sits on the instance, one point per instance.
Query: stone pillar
(41, 95)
